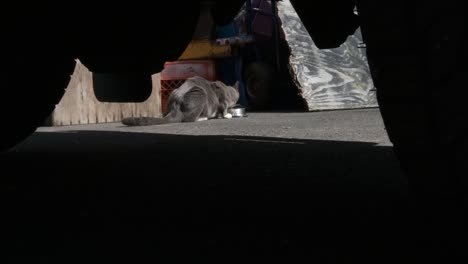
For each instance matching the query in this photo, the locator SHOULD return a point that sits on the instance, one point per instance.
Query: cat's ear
(236, 85)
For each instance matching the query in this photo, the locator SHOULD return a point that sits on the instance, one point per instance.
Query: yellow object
(205, 49)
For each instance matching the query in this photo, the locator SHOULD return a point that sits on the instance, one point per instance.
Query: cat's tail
(171, 117)
(144, 121)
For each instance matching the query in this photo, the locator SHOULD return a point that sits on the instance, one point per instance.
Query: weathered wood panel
(79, 104)
(327, 79)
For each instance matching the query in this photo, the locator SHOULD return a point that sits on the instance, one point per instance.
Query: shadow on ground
(76, 196)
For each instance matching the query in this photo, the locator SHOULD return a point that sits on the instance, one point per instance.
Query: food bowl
(238, 111)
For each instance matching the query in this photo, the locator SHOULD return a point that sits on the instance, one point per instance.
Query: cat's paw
(228, 116)
(202, 119)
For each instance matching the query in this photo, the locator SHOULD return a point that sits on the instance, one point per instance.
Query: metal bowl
(238, 111)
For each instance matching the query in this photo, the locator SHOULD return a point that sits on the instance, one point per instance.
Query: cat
(197, 99)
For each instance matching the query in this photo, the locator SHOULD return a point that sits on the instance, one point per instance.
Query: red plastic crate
(175, 73)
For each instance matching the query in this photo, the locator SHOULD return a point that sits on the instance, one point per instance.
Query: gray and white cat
(197, 99)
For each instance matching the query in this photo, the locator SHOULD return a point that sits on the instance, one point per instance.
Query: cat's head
(236, 86)
(231, 92)
(235, 92)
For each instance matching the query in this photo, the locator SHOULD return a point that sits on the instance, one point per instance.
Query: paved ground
(364, 125)
(325, 186)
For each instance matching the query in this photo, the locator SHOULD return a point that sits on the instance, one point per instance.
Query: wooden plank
(327, 79)
(79, 105)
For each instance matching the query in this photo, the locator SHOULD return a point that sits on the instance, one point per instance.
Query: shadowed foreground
(81, 196)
